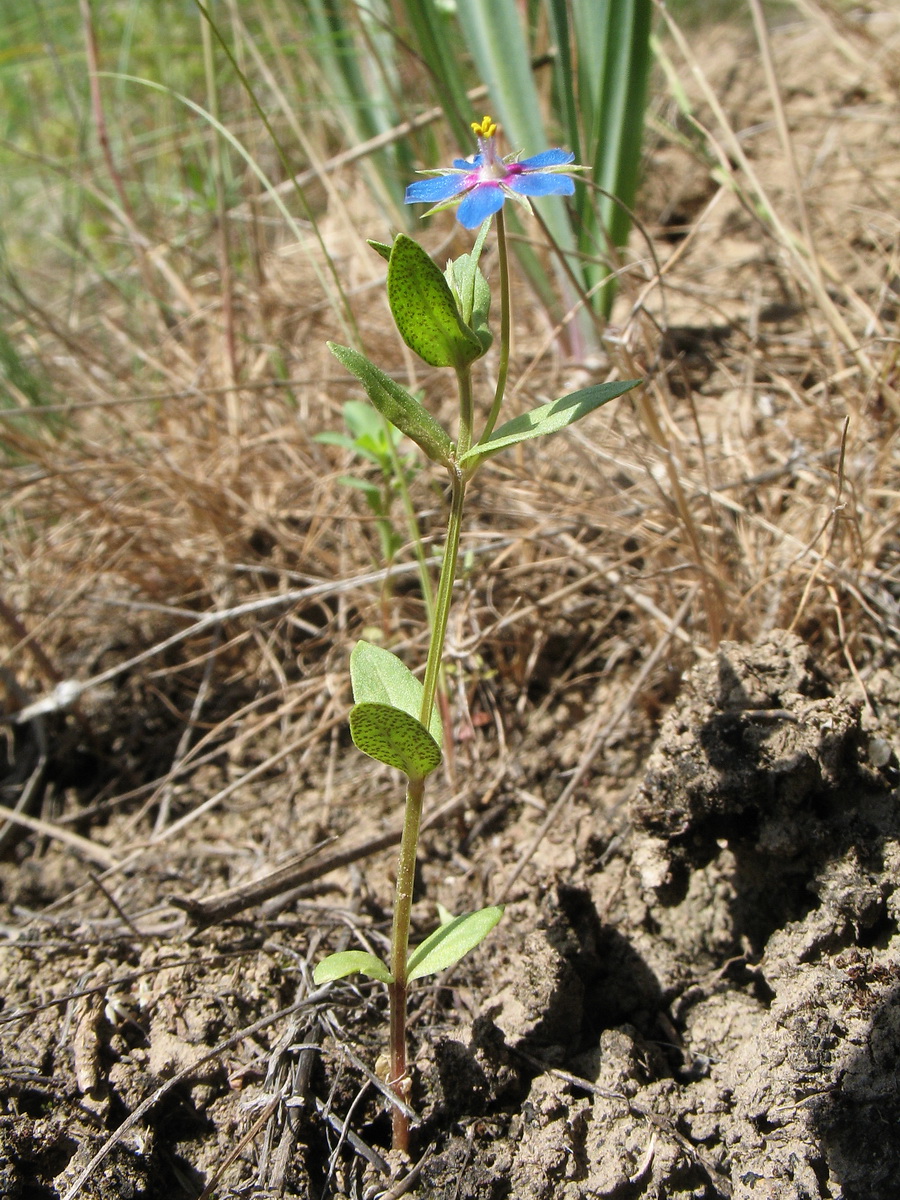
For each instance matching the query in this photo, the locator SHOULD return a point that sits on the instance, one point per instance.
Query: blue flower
(480, 185)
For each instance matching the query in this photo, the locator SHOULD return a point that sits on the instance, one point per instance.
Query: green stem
(444, 595)
(406, 875)
(415, 792)
(466, 410)
(505, 310)
(412, 523)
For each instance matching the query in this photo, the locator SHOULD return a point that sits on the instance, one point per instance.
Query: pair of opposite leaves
(443, 317)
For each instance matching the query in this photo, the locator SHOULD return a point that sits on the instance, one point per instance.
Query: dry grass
(752, 484)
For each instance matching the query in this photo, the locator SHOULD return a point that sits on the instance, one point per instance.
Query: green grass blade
(614, 56)
(355, 60)
(564, 75)
(496, 40)
(337, 301)
(433, 38)
(497, 43)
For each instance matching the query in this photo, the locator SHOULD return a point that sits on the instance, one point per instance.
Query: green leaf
(393, 737)
(364, 423)
(471, 289)
(549, 418)
(330, 437)
(380, 677)
(611, 87)
(350, 962)
(371, 490)
(460, 275)
(451, 942)
(381, 248)
(435, 37)
(395, 403)
(480, 311)
(424, 309)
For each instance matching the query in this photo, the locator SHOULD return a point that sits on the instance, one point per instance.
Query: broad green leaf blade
(364, 423)
(612, 91)
(380, 677)
(549, 418)
(350, 962)
(424, 309)
(437, 43)
(393, 737)
(397, 405)
(451, 942)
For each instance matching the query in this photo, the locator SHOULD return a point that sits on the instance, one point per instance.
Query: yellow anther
(485, 128)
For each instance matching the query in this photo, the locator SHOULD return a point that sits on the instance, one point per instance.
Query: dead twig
(296, 874)
(88, 849)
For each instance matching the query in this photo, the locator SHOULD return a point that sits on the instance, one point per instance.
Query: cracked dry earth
(704, 1006)
(726, 985)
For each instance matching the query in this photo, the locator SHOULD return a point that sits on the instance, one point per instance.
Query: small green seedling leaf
(393, 737)
(331, 437)
(549, 418)
(350, 962)
(424, 309)
(394, 402)
(451, 942)
(371, 490)
(368, 428)
(380, 677)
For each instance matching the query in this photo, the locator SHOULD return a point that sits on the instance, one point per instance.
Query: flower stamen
(485, 128)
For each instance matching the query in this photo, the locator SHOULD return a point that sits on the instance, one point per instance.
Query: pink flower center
(493, 170)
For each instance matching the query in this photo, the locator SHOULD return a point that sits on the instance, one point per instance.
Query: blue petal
(482, 202)
(468, 164)
(433, 191)
(542, 185)
(547, 158)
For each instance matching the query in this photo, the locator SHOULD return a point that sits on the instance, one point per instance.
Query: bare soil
(697, 1000)
(693, 992)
